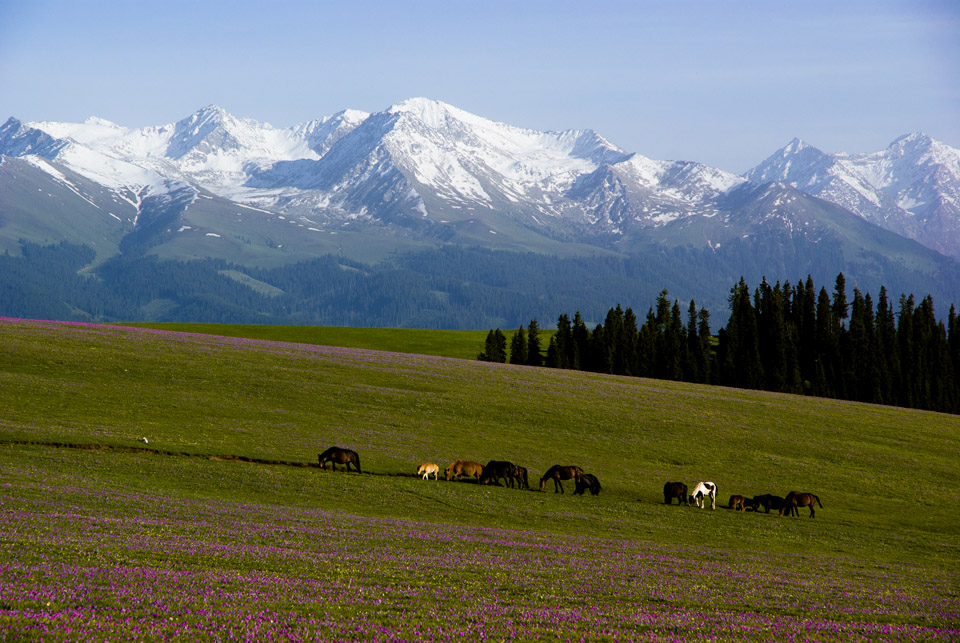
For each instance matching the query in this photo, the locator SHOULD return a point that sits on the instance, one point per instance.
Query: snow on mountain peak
(431, 112)
(794, 146)
(101, 122)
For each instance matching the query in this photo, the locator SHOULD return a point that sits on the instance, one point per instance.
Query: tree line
(784, 338)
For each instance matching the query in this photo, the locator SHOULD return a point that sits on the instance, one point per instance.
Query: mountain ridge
(423, 174)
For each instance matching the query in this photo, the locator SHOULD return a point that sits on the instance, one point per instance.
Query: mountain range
(423, 174)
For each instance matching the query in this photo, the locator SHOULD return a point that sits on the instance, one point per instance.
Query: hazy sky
(717, 81)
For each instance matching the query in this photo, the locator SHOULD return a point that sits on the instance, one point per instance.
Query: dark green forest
(785, 338)
(450, 288)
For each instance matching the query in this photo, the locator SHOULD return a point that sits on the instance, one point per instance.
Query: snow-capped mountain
(356, 188)
(421, 163)
(428, 172)
(911, 188)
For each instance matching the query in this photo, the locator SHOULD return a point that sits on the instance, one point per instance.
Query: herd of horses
(788, 505)
(502, 472)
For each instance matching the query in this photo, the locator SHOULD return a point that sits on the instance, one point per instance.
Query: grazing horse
(426, 469)
(737, 502)
(704, 489)
(673, 490)
(794, 500)
(766, 501)
(495, 470)
(587, 481)
(520, 475)
(557, 473)
(336, 455)
(467, 468)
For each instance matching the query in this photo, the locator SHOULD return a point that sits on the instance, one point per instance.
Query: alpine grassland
(219, 527)
(465, 344)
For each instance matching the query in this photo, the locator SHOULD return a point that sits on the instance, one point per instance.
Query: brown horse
(794, 500)
(520, 475)
(673, 490)
(467, 468)
(738, 503)
(336, 455)
(497, 470)
(557, 473)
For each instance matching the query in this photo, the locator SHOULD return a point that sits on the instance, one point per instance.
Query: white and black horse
(704, 489)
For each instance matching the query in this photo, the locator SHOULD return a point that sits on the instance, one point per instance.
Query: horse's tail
(817, 498)
(356, 460)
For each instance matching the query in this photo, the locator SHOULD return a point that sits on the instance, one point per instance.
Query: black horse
(673, 490)
(336, 455)
(497, 470)
(766, 501)
(587, 481)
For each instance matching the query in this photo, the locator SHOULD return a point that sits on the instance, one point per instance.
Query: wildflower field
(218, 528)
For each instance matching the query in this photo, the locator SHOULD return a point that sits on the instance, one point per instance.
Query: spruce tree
(494, 348)
(909, 394)
(534, 355)
(742, 367)
(711, 372)
(888, 351)
(827, 345)
(518, 347)
(631, 338)
(581, 344)
(563, 339)
(694, 364)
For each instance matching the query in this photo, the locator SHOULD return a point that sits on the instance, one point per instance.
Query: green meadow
(225, 527)
(466, 344)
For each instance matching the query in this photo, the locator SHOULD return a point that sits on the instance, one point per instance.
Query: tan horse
(737, 502)
(794, 500)
(557, 473)
(426, 469)
(464, 468)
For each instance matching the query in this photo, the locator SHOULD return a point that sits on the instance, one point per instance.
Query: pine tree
(805, 318)
(909, 394)
(563, 339)
(711, 369)
(581, 344)
(888, 351)
(694, 364)
(953, 346)
(494, 348)
(518, 347)
(534, 356)
(860, 356)
(772, 331)
(742, 367)
(647, 346)
(631, 338)
(613, 332)
(826, 346)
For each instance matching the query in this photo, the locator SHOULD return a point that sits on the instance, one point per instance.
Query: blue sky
(724, 83)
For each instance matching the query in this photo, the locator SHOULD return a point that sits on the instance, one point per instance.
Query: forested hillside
(785, 338)
(452, 287)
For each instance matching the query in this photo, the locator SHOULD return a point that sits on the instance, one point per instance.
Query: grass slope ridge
(321, 553)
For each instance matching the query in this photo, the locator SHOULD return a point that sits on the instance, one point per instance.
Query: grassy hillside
(465, 344)
(213, 542)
